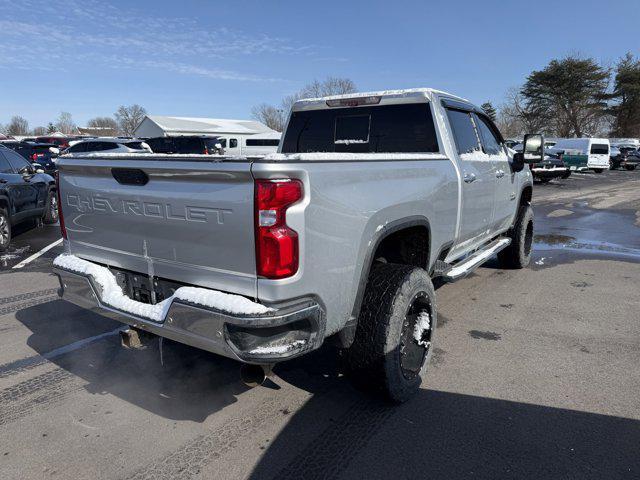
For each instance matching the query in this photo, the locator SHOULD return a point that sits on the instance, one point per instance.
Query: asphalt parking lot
(535, 374)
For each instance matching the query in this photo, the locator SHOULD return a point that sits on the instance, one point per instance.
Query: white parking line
(79, 344)
(37, 254)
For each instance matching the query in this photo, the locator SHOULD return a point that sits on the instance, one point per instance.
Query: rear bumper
(249, 339)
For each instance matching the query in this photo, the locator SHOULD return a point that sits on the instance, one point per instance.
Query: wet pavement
(535, 374)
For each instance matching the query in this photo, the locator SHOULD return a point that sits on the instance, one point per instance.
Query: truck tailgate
(191, 222)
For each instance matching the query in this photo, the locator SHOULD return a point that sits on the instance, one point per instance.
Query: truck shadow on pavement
(343, 433)
(191, 385)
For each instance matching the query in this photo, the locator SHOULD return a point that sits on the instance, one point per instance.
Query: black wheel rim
(412, 351)
(528, 239)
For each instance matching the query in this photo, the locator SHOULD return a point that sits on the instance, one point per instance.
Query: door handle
(469, 177)
(500, 173)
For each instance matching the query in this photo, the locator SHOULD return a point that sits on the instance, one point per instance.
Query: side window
(4, 165)
(80, 147)
(463, 131)
(490, 142)
(16, 161)
(233, 143)
(222, 142)
(106, 146)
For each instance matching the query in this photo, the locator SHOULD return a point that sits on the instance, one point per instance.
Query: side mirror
(533, 150)
(517, 164)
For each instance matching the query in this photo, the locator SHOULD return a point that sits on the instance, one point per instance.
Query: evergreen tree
(626, 97)
(487, 108)
(569, 95)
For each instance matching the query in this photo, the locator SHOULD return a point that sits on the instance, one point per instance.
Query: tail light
(63, 230)
(276, 242)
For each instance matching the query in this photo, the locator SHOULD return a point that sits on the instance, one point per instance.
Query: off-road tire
(518, 253)
(5, 230)
(50, 215)
(373, 361)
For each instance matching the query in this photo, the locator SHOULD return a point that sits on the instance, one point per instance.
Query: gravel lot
(536, 374)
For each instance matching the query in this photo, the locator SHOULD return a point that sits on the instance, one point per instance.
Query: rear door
(478, 174)
(505, 181)
(598, 155)
(188, 220)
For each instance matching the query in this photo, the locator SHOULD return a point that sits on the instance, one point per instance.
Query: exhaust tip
(254, 375)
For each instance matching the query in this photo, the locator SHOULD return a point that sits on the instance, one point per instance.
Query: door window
(79, 147)
(490, 143)
(233, 142)
(463, 131)
(16, 161)
(4, 165)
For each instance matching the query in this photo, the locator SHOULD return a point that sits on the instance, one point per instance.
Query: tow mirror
(533, 148)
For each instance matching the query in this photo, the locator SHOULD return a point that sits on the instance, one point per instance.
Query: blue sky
(219, 58)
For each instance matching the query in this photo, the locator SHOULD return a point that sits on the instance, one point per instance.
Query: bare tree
(39, 131)
(129, 118)
(107, 125)
(17, 126)
(65, 123)
(276, 118)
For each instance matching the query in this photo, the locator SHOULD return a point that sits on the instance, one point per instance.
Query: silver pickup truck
(335, 238)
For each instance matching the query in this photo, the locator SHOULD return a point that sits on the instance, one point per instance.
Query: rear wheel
(566, 175)
(51, 210)
(630, 167)
(598, 170)
(5, 230)
(518, 253)
(394, 337)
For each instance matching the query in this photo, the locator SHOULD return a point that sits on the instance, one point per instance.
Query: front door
(505, 180)
(25, 195)
(478, 183)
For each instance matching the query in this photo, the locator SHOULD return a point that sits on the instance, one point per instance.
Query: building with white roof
(162, 126)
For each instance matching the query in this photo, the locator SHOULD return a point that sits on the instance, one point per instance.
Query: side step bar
(469, 264)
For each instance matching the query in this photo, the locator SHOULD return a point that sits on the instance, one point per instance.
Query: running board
(469, 264)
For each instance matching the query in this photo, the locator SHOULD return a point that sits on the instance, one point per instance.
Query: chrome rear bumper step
(469, 264)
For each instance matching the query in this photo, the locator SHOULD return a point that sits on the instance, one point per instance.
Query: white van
(250, 145)
(596, 149)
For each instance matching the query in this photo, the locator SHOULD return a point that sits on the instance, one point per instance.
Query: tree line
(574, 97)
(123, 122)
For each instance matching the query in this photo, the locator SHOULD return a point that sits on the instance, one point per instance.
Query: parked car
(551, 167)
(623, 156)
(25, 193)
(108, 145)
(42, 155)
(336, 238)
(194, 144)
(596, 151)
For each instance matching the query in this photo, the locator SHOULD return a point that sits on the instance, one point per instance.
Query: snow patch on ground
(541, 261)
(278, 349)
(113, 296)
(423, 324)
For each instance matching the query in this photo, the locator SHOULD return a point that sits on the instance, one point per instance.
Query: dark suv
(25, 193)
(194, 144)
(39, 154)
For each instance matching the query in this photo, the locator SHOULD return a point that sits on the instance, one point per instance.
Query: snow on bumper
(222, 323)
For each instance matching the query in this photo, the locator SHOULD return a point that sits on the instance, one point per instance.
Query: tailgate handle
(130, 176)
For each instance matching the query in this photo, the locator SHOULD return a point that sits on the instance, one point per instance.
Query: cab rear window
(375, 129)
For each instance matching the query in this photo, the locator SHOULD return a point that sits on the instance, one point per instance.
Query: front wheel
(51, 209)
(630, 167)
(395, 333)
(518, 253)
(5, 230)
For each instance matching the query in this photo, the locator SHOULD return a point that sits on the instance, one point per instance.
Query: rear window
(264, 142)
(135, 145)
(599, 148)
(377, 129)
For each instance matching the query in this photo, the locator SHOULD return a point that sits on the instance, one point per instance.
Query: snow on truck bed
(113, 296)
